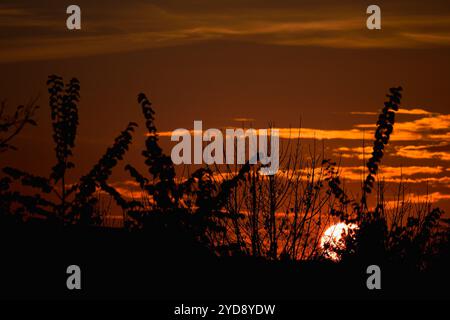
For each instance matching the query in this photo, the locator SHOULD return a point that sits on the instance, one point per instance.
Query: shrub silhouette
(232, 211)
(374, 240)
(75, 203)
(192, 207)
(12, 125)
(208, 208)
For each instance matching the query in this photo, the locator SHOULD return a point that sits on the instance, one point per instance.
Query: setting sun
(332, 239)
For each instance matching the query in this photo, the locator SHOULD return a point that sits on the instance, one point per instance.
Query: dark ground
(116, 264)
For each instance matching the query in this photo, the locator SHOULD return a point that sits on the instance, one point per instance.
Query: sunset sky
(229, 61)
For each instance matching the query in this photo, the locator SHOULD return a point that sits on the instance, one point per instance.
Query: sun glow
(332, 240)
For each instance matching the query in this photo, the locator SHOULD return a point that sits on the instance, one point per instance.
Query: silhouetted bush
(75, 203)
(232, 212)
(12, 125)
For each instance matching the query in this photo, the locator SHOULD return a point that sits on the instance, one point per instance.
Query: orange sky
(222, 61)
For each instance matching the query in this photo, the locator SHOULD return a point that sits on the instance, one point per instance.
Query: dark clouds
(36, 31)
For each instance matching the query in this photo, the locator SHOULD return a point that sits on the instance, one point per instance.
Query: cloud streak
(431, 127)
(440, 151)
(36, 33)
(414, 111)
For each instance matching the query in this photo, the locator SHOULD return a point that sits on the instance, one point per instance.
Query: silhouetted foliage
(84, 202)
(236, 212)
(192, 206)
(385, 127)
(12, 125)
(374, 240)
(64, 115)
(79, 208)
